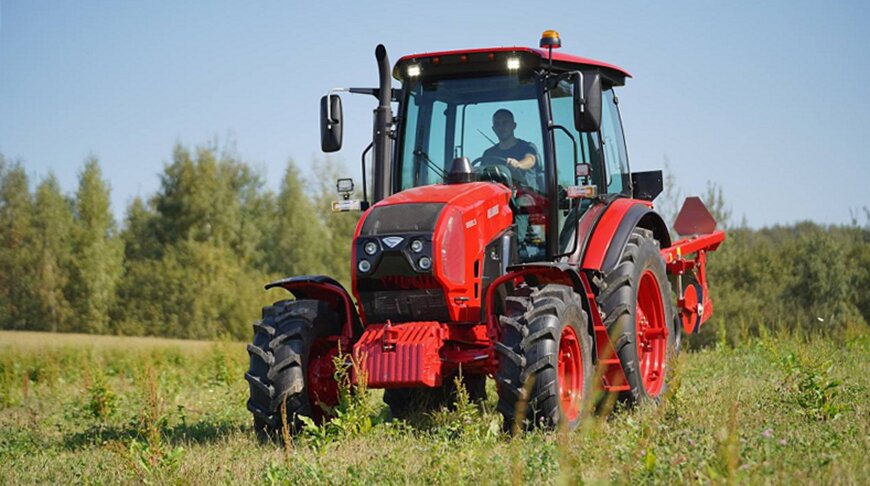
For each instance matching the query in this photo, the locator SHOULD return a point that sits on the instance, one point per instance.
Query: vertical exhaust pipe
(383, 157)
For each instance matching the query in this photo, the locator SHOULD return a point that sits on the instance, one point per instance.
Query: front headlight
(425, 263)
(452, 256)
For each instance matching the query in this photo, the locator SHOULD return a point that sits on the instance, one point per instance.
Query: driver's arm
(525, 163)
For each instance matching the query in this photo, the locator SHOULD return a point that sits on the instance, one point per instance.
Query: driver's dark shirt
(518, 152)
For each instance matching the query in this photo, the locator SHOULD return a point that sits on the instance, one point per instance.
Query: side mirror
(330, 123)
(587, 102)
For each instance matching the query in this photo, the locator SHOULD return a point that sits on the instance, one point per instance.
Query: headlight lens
(425, 263)
(452, 254)
(364, 266)
(370, 248)
(416, 246)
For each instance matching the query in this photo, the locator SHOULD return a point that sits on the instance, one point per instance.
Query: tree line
(190, 261)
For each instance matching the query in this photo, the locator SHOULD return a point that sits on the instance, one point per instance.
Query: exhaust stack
(383, 157)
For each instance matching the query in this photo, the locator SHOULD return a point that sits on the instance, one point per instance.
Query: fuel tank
(420, 255)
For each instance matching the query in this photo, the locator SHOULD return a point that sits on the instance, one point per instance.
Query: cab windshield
(450, 118)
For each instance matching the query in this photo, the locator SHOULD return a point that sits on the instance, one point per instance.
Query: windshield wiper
(431, 165)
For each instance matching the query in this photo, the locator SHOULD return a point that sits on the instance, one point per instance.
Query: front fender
(538, 273)
(327, 289)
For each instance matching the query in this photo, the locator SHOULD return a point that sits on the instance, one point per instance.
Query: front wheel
(291, 366)
(545, 367)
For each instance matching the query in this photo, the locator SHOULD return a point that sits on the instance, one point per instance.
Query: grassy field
(93, 409)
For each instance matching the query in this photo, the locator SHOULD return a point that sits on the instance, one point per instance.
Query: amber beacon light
(551, 39)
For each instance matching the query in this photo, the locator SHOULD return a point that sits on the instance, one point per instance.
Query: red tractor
(532, 259)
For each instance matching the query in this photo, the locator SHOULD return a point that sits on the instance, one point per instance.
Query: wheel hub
(570, 374)
(652, 333)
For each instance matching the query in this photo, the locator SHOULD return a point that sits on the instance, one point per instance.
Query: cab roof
(615, 74)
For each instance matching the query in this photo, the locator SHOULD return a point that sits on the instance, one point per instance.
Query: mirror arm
(365, 201)
(396, 94)
(329, 103)
(366, 91)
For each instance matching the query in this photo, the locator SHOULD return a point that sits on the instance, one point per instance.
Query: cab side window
(588, 152)
(615, 154)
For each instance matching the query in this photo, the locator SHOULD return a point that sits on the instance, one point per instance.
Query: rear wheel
(639, 316)
(545, 359)
(291, 363)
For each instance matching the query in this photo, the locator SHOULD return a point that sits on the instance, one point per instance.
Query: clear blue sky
(767, 99)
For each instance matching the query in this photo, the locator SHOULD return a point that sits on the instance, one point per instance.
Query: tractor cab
(560, 111)
(463, 104)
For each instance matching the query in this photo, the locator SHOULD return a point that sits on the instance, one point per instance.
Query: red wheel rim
(652, 334)
(322, 387)
(690, 309)
(570, 373)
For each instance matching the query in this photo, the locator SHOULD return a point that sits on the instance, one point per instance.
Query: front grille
(404, 305)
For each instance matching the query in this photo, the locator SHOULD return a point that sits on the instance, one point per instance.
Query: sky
(768, 100)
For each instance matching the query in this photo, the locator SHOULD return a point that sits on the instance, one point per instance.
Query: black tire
(618, 301)
(529, 348)
(279, 358)
(404, 402)
(677, 330)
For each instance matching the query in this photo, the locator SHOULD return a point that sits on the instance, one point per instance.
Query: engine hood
(451, 194)
(451, 226)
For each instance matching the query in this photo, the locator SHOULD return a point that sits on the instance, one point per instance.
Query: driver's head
(503, 125)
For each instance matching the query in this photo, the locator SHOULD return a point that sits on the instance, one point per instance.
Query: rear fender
(613, 230)
(327, 289)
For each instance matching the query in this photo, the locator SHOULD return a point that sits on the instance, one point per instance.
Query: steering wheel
(489, 160)
(493, 168)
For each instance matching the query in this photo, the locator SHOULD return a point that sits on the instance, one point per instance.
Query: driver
(520, 156)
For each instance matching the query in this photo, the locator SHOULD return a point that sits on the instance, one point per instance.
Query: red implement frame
(688, 257)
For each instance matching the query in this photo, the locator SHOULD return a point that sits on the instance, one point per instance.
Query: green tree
(668, 203)
(139, 234)
(714, 199)
(96, 253)
(297, 240)
(210, 197)
(52, 228)
(195, 253)
(197, 290)
(16, 255)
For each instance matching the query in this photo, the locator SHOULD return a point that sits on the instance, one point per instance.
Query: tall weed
(811, 386)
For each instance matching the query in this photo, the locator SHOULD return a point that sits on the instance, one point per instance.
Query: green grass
(90, 409)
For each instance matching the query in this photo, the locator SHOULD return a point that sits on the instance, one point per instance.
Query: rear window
(402, 218)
